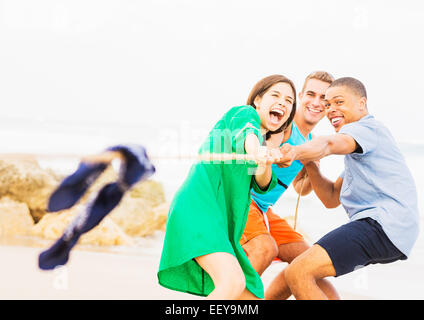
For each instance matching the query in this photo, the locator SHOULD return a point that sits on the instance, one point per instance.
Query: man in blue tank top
(267, 236)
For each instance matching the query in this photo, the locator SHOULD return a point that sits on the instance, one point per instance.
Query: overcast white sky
(170, 61)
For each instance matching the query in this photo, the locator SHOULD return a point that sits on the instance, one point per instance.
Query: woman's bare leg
(226, 274)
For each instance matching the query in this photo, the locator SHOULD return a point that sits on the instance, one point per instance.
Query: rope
(298, 200)
(109, 156)
(106, 157)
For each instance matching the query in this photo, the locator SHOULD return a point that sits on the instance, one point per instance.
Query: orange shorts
(279, 229)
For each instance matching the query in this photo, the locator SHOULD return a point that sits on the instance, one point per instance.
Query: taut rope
(109, 156)
(298, 200)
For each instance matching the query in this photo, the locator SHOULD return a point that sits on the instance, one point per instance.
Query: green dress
(209, 211)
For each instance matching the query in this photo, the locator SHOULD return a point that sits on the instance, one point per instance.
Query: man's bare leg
(261, 250)
(306, 270)
(279, 290)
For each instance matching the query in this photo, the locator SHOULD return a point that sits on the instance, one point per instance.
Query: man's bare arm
(323, 146)
(327, 191)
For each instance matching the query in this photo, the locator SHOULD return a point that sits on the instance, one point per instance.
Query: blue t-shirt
(285, 176)
(378, 184)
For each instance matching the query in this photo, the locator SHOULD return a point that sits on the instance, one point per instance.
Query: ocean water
(59, 140)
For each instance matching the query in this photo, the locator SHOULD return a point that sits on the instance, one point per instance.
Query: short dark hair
(353, 84)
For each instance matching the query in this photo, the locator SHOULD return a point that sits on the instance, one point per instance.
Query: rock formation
(24, 191)
(107, 233)
(15, 218)
(25, 181)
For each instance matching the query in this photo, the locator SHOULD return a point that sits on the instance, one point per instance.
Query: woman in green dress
(201, 253)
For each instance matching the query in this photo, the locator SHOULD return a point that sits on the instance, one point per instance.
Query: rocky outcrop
(24, 191)
(15, 218)
(137, 218)
(26, 182)
(107, 233)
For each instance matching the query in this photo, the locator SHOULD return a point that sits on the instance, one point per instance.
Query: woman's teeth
(276, 115)
(278, 111)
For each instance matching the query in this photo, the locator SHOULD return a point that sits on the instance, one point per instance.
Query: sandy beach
(130, 273)
(90, 275)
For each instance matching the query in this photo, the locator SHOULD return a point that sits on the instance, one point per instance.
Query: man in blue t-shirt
(267, 236)
(376, 189)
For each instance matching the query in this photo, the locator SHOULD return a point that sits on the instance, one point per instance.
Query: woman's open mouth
(276, 116)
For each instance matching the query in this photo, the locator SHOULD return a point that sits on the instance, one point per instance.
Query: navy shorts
(357, 244)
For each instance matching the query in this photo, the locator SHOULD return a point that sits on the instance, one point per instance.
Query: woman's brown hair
(262, 86)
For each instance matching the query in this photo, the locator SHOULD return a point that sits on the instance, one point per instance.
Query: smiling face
(312, 101)
(344, 106)
(275, 105)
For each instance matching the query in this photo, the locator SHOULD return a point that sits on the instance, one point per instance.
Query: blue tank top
(285, 176)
